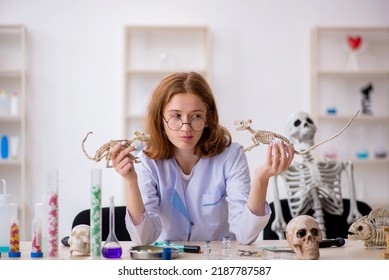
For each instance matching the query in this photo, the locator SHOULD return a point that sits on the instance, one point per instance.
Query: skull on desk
(79, 240)
(304, 235)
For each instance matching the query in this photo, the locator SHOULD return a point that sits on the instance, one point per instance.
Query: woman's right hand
(122, 163)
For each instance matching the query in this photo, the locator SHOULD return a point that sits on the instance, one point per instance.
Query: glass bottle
(226, 247)
(167, 250)
(207, 248)
(111, 248)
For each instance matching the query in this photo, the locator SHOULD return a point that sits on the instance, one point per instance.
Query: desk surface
(352, 250)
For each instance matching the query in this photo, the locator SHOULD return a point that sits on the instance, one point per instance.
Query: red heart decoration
(354, 42)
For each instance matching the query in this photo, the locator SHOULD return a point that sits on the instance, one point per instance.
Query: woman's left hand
(278, 158)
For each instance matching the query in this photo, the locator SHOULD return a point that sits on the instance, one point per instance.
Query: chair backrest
(120, 228)
(336, 226)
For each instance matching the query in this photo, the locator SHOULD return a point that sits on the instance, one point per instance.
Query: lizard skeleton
(266, 137)
(104, 150)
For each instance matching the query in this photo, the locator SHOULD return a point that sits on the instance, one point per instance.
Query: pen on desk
(181, 247)
(338, 242)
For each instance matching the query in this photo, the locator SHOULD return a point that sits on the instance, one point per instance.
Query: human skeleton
(309, 185)
(104, 150)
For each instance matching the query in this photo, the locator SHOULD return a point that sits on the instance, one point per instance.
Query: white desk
(352, 250)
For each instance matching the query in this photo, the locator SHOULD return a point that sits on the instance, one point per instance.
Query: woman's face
(188, 108)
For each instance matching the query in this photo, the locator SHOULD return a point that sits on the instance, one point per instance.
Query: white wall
(260, 70)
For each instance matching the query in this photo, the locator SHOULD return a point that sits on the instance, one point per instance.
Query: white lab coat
(214, 204)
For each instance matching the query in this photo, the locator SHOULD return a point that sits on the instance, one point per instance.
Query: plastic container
(14, 104)
(36, 237)
(13, 147)
(14, 238)
(96, 219)
(8, 210)
(52, 214)
(4, 147)
(4, 103)
(41, 211)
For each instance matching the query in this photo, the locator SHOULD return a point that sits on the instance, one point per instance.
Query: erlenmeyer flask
(111, 248)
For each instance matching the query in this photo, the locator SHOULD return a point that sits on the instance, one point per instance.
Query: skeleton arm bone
(329, 139)
(279, 224)
(354, 213)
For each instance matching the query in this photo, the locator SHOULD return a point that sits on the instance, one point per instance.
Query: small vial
(226, 247)
(14, 238)
(207, 248)
(167, 251)
(36, 248)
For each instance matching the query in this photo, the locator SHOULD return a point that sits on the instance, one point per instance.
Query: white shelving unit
(13, 122)
(152, 52)
(339, 75)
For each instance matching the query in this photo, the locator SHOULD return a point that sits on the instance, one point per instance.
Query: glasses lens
(197, 124)
(174, 123)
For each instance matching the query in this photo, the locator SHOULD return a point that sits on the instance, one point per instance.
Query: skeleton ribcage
(306, 181)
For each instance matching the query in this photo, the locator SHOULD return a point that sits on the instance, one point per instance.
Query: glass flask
(111, 248)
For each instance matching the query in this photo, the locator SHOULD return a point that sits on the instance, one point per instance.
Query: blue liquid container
(4, 147)
(111, 248)
(167, 253)
(112, 253)
(362, 155)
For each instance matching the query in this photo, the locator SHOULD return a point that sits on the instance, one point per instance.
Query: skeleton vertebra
(304, 235)
(79, 240)
(370, 229)
(311, 185)
(266, 137)
(104, 150)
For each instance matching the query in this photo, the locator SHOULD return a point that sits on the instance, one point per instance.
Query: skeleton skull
(301, 130)
(303, 235)
(79, 240)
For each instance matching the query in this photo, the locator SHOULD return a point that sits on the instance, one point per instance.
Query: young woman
(193, 182)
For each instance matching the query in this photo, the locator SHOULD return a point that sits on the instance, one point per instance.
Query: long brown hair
(215, 138)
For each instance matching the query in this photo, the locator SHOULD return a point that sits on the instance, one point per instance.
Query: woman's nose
(186, 126)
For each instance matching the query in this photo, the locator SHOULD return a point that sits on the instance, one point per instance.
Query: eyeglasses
(175, 123)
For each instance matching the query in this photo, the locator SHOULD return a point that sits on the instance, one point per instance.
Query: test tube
(36, 248)
(52, 201)
(14, 238)
(95, 214)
